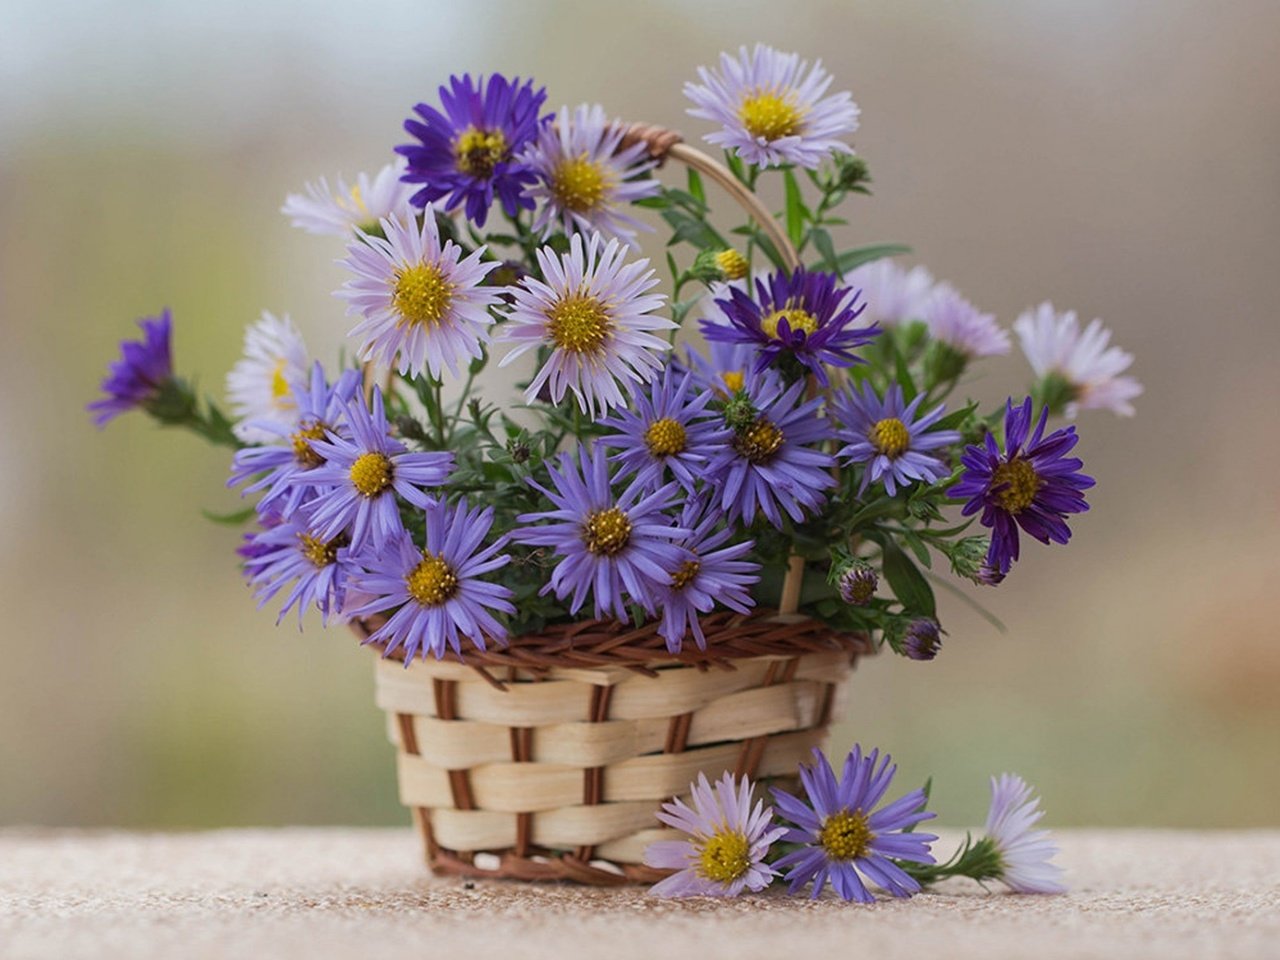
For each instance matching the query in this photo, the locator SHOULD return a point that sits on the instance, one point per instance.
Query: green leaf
(955, 418)
(822, 240)
(695, 186)
(856, 258)
(796, 211)
(902, 373)
(907, 582)
(233, 519)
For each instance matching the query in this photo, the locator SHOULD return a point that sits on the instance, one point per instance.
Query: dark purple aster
(313, 569)
(767, 464)
(843, 837)
(144, 367)
(1032, 484)
(362, 476)
(474, 148)
(803, 314)
(618, 548)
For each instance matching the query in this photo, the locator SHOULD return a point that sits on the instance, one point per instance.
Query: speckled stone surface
(316, 893)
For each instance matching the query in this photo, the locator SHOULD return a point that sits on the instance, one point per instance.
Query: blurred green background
(1118, 158)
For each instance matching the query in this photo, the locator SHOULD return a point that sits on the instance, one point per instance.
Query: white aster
(772, 108)
(955, 321)
(893, 295)
(344, 210)
(260, 385)
(1056, 346)
(1025, 853)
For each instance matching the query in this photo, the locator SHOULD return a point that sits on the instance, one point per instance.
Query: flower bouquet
(654, 560)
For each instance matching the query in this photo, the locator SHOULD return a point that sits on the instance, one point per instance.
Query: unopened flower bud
(732, 264)
(858, 583)
(739, 412)
(922, 639)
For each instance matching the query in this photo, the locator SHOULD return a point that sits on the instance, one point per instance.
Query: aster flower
(314, 570)
(473, 150)
(843, 837)
(440, 591)
(890, 438)
(585, 180)
(1077, 368)
(958, 324)
(668, 430)
(892, 295)
(343, 210)
(362, 476)
(283, 466)
(261, 384)
(768, 464)
(144, 369)
(423, 303)
(727, 366)
(857, 583)
(1032, 484)
(615, 547)
(1024, 854)
(803, 314)
(728, 841)
(922, 639)
(773, 108)
(712, 573)
(595, 314)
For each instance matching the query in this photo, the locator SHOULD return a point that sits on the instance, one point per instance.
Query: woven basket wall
(547, 759)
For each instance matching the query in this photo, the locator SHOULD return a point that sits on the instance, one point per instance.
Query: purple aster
(474, 148)
(1032, 484)
(922, 639)
(713, 573)
(143, 369)
(282, 468)
(728, 841)
(314, 569)
(889, 437)
(1024, 853)
(363, 474)
(439, 590)
(803, 314)
(619, 548)
(843, 837)
(666, 430)
(768, 464)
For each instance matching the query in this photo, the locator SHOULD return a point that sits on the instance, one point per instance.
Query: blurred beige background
(1118, 158)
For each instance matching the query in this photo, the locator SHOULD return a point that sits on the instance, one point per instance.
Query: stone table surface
(317, 893)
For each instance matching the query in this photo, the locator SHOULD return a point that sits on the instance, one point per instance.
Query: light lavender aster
(897, 446)
(261, 384)
(314, 570)
(342, 209)
(1087, 369)
(893, 295)
(954, 321)
(1024, 853)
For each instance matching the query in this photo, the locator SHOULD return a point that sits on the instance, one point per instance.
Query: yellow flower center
(371, 474)
(303, 452)
(734, 380)
(422, 294)
(479, 151)
(732, 264)
(580, 184)
(890, 437)
(607, 531)
(846, 835)
(1021, 483)
(725, 856)
(770, 116)
(665, 437)
(796, 318)
(682, 577)
(279, 385)
(357, 198)
(579, 323)
(432, 582)
(760, 441)
(321, 553)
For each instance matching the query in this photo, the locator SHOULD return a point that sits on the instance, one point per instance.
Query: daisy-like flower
(281, 467)
(773, 108)
(1024, 854)
(585, 181)
(440, 591)
(261, 384)
(617, 548)
(423, 304)
(314, 570)
(362, 476)
(959, 325)
(1078, 369)
(728, 841)
(474, 149)
(667, 430)
(803, 314)
(896, 444)
(844, 835)
(1031, 484)
(144, 369)
(343, 210)
(892, 295)
(768, 464)
(594, 313)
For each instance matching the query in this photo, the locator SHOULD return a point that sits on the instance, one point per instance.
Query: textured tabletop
(318, 893)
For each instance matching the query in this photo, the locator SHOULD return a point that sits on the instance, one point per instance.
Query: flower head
(1024, 853)
(585, 180)
(261, 384)
(844, 835)
(343, 210)
(922, 639)
(145, 367)
(423, 304)
(773, 108)
(439, 590)
(314, 570)
(594, 313)
(957, 323)
(892, 295)
(1031, 484)
(857, 583)
(728, 841)
(1078, 369)
(896, 444)
(473, 149)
